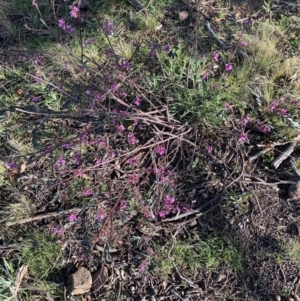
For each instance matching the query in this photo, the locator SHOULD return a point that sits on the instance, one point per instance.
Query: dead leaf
(100, 277)
(21, 274)
(23, 167)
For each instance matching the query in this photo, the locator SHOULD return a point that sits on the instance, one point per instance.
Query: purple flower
(89, 91)
(109, 27)
(228, 67)
(121, 128)
(209, 148)
(273, 106)
(101, 143)
(99, 97)
(243, 44)
(204, 75)
(72, 217)
(133, 161)
(61, 23)
(10, 165)
(114, 87)
(60, 163)
(133, 178)
(243, 137)
(216, 56)
(101, 216)
(35, 98)
(162, 214)
(144, 265)
(282, 112)
(80, 68)
(245, 119)
(70, 29)
(131, 139)
(66, 27)
(126, 64)
(227, 106)
(74, 12)
(266, 128)
(160, 150)
(151, 54)
(168, 201)
(137, 101)
(122, 205)
(34, 3)
(77, 159)
(89, 41)
(166, 48)
(86, 192)
(109, 52)
(152, 50)
(35, 62)
(56, 231)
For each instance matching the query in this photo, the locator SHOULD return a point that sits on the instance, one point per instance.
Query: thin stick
(207, 26)
(257, 202)
(41, 216)
(195, 211)
(260, 153)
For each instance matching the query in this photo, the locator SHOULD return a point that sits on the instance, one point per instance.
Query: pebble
(205, 195)
(183, 15)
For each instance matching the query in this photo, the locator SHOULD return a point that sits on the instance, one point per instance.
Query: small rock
(221, 277)
(81, 281)
(183, 15)
(291, 299)
(294, 191)
(158, 27)
(277, 298)
(205, 195)
(132, 289)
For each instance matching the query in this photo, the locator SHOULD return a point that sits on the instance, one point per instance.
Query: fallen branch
(41, 216)
(207, 26)
(285, 154)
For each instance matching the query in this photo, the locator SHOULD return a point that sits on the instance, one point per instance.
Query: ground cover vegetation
(154, 143)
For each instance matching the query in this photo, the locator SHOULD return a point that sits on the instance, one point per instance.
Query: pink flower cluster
(243, 137)
(168, 207)
(60, 163)
(131, 139)
(66, 27)
(245, 119)
(75, 11)
(163, 176)
(263, 127)
(72, 217)
(133, 178)
(282, 112)
(160, 150)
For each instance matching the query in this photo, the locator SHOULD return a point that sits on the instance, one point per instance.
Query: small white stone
(183, 15)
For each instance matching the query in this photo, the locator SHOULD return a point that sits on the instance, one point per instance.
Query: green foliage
(191, 255)
(7, 280)
(41, 253)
